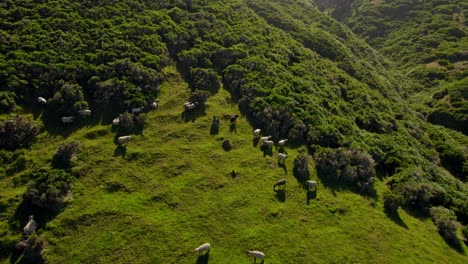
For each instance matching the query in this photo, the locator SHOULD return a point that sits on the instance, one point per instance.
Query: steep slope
(284, 66)
(428, 39)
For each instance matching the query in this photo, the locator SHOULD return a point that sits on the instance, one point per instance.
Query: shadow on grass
(42, 215)
(214, 130)
(233, 128)
(192, 115)
(283, 166)
(120, 150)
(280, 194)
(395, 217)
(311, 195)
(267, 151)
(203, 259)
(255, 142)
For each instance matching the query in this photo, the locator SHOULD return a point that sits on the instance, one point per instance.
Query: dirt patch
(434, 65)
(376, 3)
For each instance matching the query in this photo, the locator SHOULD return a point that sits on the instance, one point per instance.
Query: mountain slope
(284, 67)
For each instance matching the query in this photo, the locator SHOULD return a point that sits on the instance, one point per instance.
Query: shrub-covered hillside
(283, 66)
(428, 39)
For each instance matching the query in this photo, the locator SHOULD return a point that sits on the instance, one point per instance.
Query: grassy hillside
(171, 189)
(284, 67)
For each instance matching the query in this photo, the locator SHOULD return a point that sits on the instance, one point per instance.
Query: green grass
(176, 192)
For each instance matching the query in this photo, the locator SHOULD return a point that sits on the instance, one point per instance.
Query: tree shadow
(280, 194)
(283, 166)
(311, 195)
(395, 217)
(120, 150)
(203, 259)
(233, 128)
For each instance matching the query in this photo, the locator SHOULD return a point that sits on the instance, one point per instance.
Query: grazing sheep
(30, 227)
(155, 104)
(204, 247)
(234, 118)
(311, 185)
(137, 110)
(282, 157)
(123, 139)
(190, 106)
(279, 183)
(268, 143)
(41, 100)
(256, 255)
(85, 112)
(257, 132)
(282, 142)
(263, 139)
(68, 119)
(116, 121)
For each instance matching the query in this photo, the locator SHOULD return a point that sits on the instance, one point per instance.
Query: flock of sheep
(188, 106)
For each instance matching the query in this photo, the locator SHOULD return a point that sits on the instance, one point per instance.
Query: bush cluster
(301, 167)
(18, 132)
(48, 188)
(65, 153)
(349, 166)
(446, 223)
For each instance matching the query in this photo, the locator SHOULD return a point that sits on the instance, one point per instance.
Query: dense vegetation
(291, 70)
(428, 39)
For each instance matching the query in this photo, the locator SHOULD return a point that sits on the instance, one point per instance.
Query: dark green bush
(204, 79)
(18, 132)
(446, 223)
(301, 167)
(48, 188)
(65, 153)
(68, 100)
(391, 201)
(126, 123)
(348, 166)
(7, 102)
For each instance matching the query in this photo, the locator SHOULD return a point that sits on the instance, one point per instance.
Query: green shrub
(301, 167)
(65, 153)
(48, 188)
(68, 100)
(204, 79)
(7, 102)
(18, 132)
(126, 123)
(446, 223)
(391, 201)
(348, 166)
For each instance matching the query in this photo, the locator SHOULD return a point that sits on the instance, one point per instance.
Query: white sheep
(282, 142)
(257, 132)
(268, 143)
(204, 247)
(312, 185)
(116, 121)
(282, 157)
(68, 119)
(256, 254)
(137, 110)
(155, 104)
(123, 139)
(263, 139)
(41, 100)
(190, 106)
(30, 227)
(85, 112)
